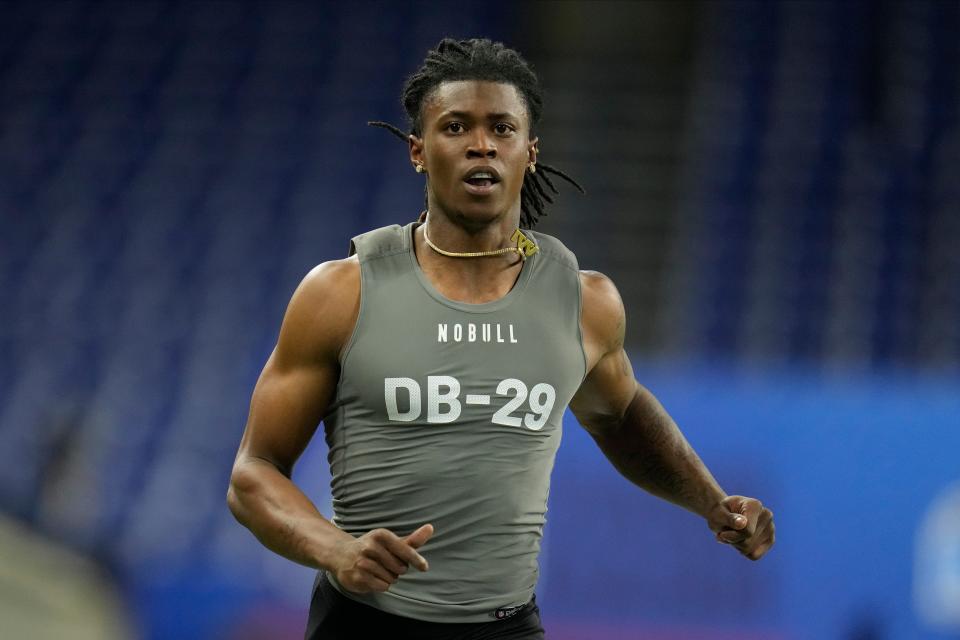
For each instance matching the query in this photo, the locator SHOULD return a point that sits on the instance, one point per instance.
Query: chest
(493, 371)
(478, 288)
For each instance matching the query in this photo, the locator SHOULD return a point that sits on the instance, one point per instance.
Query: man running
(440, 357)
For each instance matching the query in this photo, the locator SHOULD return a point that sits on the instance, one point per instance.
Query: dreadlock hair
(485, 60)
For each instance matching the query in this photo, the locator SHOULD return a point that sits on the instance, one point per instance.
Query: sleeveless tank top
(450, 413)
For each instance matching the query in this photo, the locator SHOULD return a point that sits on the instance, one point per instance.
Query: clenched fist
(378, 558)
(743, 523)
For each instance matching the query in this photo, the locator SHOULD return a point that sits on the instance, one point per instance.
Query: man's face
(469, 125)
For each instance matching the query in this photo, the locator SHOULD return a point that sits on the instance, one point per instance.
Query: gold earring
(419, 168)
(532, 167)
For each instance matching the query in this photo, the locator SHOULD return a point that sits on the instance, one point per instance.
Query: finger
(403, 550)
(749, 536)
(374, 571)
(760, 543)
(387, 560)
(752, 509)
(763, 523)
(730, 514)
(749, 508)
(769, 536)
(419, 537)
(736, 521)
(376, 584)
(732, 537)
(759, 552)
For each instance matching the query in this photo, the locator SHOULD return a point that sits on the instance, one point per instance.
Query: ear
(532, 150)
(415, 145)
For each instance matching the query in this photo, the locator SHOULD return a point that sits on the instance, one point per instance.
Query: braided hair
(485, 60)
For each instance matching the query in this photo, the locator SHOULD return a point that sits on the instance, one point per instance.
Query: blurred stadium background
(774, 187)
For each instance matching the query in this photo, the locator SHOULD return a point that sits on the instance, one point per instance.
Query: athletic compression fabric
(450, 413)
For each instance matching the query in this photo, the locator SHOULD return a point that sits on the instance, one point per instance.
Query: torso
(449, 411)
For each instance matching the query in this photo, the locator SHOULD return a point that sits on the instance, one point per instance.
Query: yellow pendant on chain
(525, 246)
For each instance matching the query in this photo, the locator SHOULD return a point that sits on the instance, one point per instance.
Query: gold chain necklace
(525, 247)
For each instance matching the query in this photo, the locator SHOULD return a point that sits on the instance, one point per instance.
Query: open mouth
(481, 181)
(480, 187)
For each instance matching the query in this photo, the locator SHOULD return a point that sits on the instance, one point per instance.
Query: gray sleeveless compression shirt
(450, 413)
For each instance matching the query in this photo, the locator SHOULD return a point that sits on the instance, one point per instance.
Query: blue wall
(848, 463)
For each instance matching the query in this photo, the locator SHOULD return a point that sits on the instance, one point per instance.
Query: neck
(476, 279)
(462, 235)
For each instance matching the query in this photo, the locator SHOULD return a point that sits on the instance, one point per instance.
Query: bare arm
(292, 394)
(641, 439)
(291, 397)
(630, 426)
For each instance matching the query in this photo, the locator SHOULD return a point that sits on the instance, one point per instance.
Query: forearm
(281, 517)
(647, 448)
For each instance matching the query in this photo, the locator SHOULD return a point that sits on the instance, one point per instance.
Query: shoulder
(323, 309)
(553, 248)
(331, 276)
(380, 242)
(602, 314)
(328, 286)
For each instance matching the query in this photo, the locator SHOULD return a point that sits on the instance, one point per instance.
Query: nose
(481, 145)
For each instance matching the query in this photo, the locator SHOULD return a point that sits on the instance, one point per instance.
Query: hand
(744, 523)
(378, 558)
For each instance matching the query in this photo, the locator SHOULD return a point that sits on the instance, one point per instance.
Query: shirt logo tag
(506, 612)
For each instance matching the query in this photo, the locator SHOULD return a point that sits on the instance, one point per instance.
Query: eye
(502, 128)
(455, 127)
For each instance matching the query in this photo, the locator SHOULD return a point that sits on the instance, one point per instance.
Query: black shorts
(333, 616)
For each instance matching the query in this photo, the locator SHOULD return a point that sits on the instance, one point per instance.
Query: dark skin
(465, 124)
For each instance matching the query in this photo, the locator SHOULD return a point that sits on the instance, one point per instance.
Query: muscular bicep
(299, 380)
(287, 405)
(606, 392)
(609, 386)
